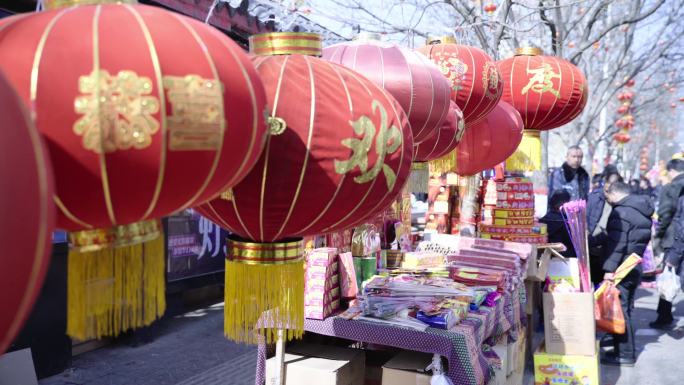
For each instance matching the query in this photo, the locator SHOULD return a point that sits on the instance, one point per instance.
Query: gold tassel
(443, 165)
(227, 195)
(112, 290)
(528, 155)
(263, 297)
(419, 178)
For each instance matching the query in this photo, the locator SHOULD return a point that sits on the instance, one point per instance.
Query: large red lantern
(28, 215)
(476, 84)
(341, 152)
(144, 112)
(547, 91)
(489, 142)
(410, 77)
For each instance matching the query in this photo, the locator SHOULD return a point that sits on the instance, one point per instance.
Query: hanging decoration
(625, 121)
(437, 150)
(490, 8)
(490, 141)
(28, 216)
(132, 137)
(414, 81)
(476, 84)
(547, 91)
(340, 152)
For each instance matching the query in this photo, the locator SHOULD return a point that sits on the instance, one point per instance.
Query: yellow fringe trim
(263, 295)
(419, 178)
(116, 289)
(528, 155)
(443, 165)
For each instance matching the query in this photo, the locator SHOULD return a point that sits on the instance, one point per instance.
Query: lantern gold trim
(57, 4)
(445, 39)
(528, 51)
(286, 43)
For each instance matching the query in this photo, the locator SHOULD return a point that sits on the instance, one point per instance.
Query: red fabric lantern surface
(446, 139)
(476, 84)
(145, 112)
(547, 91)
(489, 142)
(345, 153)
(414, 81)
(28, 215)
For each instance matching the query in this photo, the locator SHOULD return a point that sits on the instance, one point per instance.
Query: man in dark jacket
(598, 212)
(571, 176)
(628, 231)
(675, 254)
(664, 236)
(555, 223)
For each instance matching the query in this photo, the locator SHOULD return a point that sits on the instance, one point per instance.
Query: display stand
(461, 346)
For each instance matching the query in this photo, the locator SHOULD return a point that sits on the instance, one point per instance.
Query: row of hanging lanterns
(168, 113)
(626, 120)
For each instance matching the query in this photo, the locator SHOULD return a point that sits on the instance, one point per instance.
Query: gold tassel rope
(419, 178)
(528, 155)
(443, 165)
(115, 289)
(275, 291)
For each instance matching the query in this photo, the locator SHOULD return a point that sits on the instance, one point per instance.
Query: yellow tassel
(443, 165)
(227, 195)
(263, 294)
(419, 178)
(528, 155)
(115, 289)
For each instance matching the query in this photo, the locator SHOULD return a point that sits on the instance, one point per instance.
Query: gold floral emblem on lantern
(452, 68)
(490, 80)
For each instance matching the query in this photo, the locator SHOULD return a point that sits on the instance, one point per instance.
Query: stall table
(461, 346)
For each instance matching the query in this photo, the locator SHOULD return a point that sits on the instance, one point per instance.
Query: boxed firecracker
(511, 221)
(321, 299)
(493, 212)
(321, 285)
(569, 324)
(323, 311)
(320, 365)
(348, 276)
(533, 239)
(536, 228)
(551, 369)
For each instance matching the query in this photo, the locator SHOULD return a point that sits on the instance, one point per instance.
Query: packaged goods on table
(321, 285)
(423, 259)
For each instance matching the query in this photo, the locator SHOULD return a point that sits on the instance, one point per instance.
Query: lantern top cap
(56, 4)
(445, 39)
(529, 51)
(368, 36)
(286, 43)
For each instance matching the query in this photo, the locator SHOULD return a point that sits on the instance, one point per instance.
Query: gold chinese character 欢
(388, 141)
(197, 114)
(117, 114)
(542, 80)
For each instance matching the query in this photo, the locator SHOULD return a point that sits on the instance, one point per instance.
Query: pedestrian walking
(571, 176)
(628, 231)
(598, 212)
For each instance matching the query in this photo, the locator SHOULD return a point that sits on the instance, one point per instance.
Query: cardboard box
(407, 368)
(552, 369)
(320, 365)
(501, 373)
(569, 325)
(537, 268)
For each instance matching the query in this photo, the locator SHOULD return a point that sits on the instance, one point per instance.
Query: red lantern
(630, 83)
(412, 79)
(489, 142)
(28, 215)
(622, 137)
(145, 113)
(342, 154)
(490, 8)
(446, 139)
(547, 91)
(673, 105)
(476, 84)
(623, 110)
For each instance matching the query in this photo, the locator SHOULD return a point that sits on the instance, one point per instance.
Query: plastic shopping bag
(438, 375)
(668, 284)
(648, 261)
(607, 310)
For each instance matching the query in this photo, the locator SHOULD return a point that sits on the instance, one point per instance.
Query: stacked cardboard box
(509, 212)
(322, 283)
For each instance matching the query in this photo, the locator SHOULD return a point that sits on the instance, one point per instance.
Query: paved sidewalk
(189, 349)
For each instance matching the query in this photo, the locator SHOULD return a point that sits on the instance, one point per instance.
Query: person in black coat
(628, 231)
(598, 212)
(555, 223)
(664, 235)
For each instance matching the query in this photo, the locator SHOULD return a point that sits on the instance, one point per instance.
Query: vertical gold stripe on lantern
(154, 57)
(302, 173)
(214, 72)
(341, 182)
(102, 153)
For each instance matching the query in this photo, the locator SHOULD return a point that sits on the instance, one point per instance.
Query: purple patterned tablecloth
(461, 346)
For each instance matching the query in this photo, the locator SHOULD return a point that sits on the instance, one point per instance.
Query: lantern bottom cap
(265, 253)
(115, 236)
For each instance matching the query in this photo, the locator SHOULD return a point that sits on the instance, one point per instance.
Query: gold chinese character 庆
(542, 80)
(117, 114)
(388, 141)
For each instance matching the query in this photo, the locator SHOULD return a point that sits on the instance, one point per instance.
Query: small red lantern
(571, 44)
(623, 110)
(490, 141)
(144, 112)
(673, 105)
(28, 215)
(630, 83)
(410, 77)
(476, 84)
(342, 153)
(547, 91)
(490, 8)
(622, 137)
